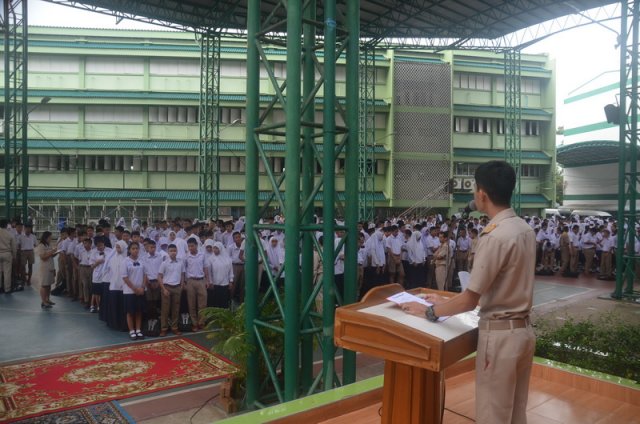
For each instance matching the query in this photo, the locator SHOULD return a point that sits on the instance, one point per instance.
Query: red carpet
(43, 386)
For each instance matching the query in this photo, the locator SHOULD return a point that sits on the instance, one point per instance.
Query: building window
(115, 114)
(527, 85)
(472, 125)
(530, 128)
(499, 126)
(472, 81)
(532, 171)
(114, 65)
(182, 67)
(463, 169)
(173, 114)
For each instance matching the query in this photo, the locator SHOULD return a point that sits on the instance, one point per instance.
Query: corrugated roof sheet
(149, 95)
(483, 153)
(168, 195)
(586, 153)
(524, 198)
(500, 110)
(151, 145)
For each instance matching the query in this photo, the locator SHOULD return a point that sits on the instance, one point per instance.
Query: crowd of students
(170, 268)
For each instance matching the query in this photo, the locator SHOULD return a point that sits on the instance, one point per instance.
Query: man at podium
(502, 283)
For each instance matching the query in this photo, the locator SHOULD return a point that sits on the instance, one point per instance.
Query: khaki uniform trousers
(238, 283)
(547, 258)
(588, 259)
(441, 276)
(26, 258)
(84, 287)
(396, 270)
(6, 267)
(605, 264)
(503, 370)
(565, 257)
(170, 305)
(197, 299)
(72, 282)
(462, 260)
(573, 263)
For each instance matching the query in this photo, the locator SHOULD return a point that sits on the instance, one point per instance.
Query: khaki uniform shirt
(504, 266)
(7, 242)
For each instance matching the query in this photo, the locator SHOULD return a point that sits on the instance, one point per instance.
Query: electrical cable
(202, 406)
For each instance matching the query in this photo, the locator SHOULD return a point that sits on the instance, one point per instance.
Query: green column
(292, 202)
(351, 174)
(328, 194)
(620, 263)
(251, 190)
(308, 165)
(24, 120)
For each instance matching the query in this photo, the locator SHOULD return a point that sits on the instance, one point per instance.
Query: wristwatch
(430, 314)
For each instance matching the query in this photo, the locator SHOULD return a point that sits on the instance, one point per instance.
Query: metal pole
(24, 110)
(328, 201)
(351, 174)
(8, 166)
(622, 138)
(630, 232)
(251, 190)
(292, 205)
(308, 165)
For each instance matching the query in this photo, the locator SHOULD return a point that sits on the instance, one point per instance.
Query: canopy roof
(588, 153)
(459, 20)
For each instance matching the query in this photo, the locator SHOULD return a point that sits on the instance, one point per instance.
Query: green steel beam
(351, 173)
(328, 201)
(513, 119)
(366, 164)
(209, 143)
(251, 208)
(628, 172)
(308, 171)
(16, 166)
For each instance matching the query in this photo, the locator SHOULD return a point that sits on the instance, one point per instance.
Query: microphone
(471, 206)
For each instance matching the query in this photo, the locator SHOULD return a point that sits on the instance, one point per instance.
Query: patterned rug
(102, 413)
(44, 386)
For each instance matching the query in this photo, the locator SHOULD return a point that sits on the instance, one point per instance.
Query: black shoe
(45, 306)
(51, 303)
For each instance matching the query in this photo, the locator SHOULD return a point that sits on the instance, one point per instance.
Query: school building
(120, 133)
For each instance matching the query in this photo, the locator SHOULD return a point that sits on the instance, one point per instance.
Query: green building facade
(119, 136)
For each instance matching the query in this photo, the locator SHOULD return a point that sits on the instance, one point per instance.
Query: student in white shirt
(220, 271)
(83, 255)
(133, 291)
(98, 261)
(171, 279)
(151, 264)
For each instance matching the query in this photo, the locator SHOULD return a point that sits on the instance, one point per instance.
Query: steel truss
(209, 121)
(628, 177)
(366, 163)
(297, 322)
(16, 161)
(513, 119)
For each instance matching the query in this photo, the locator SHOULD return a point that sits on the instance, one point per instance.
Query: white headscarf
(275, 254)
(116, 266)
(375, 249)
(415, 249)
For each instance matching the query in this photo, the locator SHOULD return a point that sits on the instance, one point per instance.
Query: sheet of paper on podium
(451, 328)
(404, 297)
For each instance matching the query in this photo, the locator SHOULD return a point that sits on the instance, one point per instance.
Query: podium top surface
(446, 330)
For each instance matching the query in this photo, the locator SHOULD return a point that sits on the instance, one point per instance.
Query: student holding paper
(502, 282)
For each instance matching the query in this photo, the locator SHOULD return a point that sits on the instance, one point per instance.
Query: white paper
(404, 297)
(465, 279)
(452, 328)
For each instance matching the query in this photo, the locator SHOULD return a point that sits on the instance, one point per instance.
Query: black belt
(153, 281)
(194, 278)
(86, 266)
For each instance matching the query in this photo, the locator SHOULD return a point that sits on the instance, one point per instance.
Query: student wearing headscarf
(220, 277)
(415, 259)
(181, 244)
(375, 265)
(275, 260)
(116, 318)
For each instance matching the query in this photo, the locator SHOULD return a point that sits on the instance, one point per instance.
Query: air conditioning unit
(457, 184)
(467, 184)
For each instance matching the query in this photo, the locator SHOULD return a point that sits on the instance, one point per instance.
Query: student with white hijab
(374, 269)
(116, 317)
(415, 258)
(220, 277)
(275, 260)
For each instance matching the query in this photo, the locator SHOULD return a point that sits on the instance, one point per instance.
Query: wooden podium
(416, 351)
